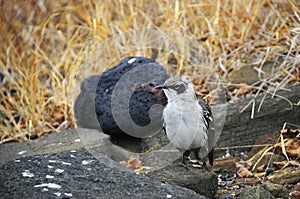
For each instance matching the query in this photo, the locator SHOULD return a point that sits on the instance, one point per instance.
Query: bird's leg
(204, 166)
(184, 155)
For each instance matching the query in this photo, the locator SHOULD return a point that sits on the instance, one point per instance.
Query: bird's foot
(184, 164)
(204, 166)
(183, 159)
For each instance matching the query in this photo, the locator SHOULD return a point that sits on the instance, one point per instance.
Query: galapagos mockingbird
(186, 120)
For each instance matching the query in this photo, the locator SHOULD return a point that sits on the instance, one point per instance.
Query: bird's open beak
(159, 87)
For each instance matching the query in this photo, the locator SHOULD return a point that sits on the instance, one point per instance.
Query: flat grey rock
(195, 178)
(79, 163)
(71, 139)
(277, 190)
(77, 174)
(257, 192)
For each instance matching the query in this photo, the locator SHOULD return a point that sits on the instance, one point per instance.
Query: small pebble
(57, 194)
(68, 194)
(22, 152)
(27, 173)
(59, 170)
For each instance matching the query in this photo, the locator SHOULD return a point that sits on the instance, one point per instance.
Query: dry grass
(48, 47)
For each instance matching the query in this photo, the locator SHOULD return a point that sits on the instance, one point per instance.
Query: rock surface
(84, 108)
(289, 175)
(197, 179)
(121, 97)
(77, 174)
(247, 73)
(84, 163)
(257, 192)
(277, 190)
(274, 112)
(133, 80)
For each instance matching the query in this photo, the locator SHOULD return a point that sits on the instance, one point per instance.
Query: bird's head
(177, 88)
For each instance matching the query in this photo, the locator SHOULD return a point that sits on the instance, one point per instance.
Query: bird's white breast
(184, 124)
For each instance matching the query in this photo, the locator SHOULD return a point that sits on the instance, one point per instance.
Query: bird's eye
(179, 88)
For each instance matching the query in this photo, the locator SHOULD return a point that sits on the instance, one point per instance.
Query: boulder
(120, 99)
(201, 181)
(257, 192)
(84, 108)
(290, 175)
(84, 163)
(277, 190)
(77, 174)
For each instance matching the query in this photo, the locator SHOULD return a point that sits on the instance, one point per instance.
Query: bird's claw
(183, 164)
(204, 166)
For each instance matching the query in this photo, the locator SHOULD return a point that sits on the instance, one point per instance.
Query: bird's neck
(183, 100)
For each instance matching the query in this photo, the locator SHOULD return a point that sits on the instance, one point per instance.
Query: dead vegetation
(278, 156)
(49, 47)
(272, 163)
